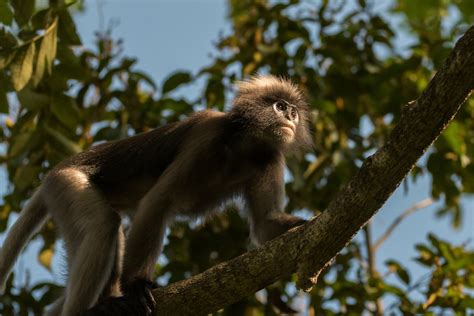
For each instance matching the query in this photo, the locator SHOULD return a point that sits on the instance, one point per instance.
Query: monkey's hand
(276, 224)
(137, 301)
(139, 293)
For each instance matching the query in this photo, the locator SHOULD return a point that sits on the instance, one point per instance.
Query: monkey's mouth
(288, 129)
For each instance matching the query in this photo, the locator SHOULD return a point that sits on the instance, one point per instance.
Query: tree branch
(418, 206)
(310, 248)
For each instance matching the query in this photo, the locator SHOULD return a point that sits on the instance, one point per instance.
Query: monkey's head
(274, 110)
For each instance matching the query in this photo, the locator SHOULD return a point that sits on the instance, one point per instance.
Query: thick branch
(311, 247)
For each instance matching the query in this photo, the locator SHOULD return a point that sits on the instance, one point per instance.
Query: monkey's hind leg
(113, 288)
(91, 233)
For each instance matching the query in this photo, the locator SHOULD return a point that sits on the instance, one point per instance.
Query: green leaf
(67, 29)
(23, 10)
(3, 94)
(41, 61)
(401, 272)
(455, 136)
(3, 101)
(22, 66)
(466, 8)
(175, 80)
(71, 65)
(214, 93)
(19, 143)
(177, 106)
(68, 145)
(53, 46)
(25, 176)
(144, 77)
(47, 53)
(33, 100)
(434, 240)
(6, 58)
(6, 14)
(446, 252)
(8, 41)
(66, 111)
(427, 256)
(41, 18)
(107, 133)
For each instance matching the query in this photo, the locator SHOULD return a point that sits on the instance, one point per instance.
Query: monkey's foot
(275, 225)
(140, 292)
(137, 301)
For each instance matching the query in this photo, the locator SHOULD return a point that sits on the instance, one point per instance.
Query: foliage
(59, 97)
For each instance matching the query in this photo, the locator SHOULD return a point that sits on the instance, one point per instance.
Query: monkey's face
(274, 110)
(285, 122)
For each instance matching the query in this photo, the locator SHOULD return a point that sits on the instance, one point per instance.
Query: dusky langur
(184, 168)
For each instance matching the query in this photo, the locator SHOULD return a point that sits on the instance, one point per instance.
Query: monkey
(185, 168)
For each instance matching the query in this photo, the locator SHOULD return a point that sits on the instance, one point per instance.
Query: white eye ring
(280, 106)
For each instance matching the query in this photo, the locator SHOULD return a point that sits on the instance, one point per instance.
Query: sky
(167, 36)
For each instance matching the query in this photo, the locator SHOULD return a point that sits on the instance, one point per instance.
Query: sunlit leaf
(250, 68)
(51, 52)
(46, 257)
(22, 66)
(46, 54)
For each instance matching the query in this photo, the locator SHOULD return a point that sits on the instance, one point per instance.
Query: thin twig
(372, 270)
(418, 206)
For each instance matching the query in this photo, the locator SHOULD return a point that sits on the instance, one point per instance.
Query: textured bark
(310, 248)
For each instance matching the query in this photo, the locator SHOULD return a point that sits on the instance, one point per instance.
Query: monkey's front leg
(144, 242)
(143, 246)
(265, 201)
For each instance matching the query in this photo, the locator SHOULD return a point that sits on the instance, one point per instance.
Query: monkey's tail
(31, 218)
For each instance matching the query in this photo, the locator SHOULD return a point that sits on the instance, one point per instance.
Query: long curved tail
(32, 217)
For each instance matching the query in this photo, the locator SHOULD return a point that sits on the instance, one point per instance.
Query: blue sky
(167, 36)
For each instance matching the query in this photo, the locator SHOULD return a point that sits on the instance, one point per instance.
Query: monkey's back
(147, 154)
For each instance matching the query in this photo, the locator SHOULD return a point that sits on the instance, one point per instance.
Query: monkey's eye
(280, 106)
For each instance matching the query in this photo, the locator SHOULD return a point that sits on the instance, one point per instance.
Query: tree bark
(308, 249)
